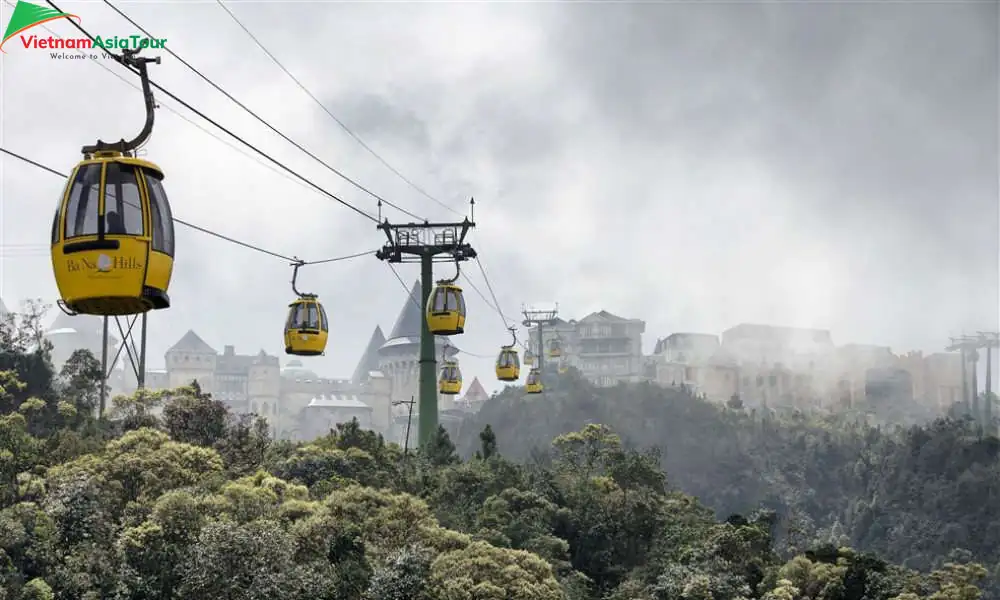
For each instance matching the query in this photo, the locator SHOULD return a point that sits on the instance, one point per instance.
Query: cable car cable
(175, 219)
(489, 286)
(489, 304)
(220, 236)
(182, 116)
(330, 114)
(261, 119)
(337, 258)
(152, 83)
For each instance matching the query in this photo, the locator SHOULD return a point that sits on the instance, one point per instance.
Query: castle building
(398, 360)
(70, 333)
(296, 401)
(787, 367)
(604, 347)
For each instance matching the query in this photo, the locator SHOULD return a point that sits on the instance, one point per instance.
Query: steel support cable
(181, 116)
(253, 114)
(489, 286)
(183, 103)
(198, 228)
(330, 114)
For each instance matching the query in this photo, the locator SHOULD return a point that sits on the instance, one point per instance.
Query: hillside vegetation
(200, 503)
(920, 496)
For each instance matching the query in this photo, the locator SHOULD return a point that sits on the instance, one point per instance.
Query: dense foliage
(919, 496)
(175, 497)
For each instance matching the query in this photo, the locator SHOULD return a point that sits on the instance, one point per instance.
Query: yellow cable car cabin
(113, 237)
(450, 382)
(446, 309)
(533, 384)
(307, 327)
(508, 365)
(529, 358)
(555, 348)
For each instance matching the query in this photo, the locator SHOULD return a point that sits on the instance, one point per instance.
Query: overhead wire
(489, 286)
(322, 106)
(187, 120)
(253, 114)
(190, 225)
(183, 103)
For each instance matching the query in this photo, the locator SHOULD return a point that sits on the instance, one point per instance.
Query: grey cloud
(659, 161)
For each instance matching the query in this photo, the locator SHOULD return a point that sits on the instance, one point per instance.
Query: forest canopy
(173, 496)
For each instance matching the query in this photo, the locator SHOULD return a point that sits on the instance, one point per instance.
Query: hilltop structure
(604, 347)
(296, 401)
(786, 367)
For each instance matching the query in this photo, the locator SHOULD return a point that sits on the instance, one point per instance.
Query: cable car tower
(969, 346)
(541, 319)
(427, 243)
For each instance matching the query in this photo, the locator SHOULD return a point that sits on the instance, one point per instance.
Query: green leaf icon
(27, 15)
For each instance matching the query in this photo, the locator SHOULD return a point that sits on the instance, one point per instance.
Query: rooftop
(335, 401)
(190, 342)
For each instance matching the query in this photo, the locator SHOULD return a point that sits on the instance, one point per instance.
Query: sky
(695, 166)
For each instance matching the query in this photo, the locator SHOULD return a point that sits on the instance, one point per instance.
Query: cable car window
(461, 302)
(81, 211)
(122, 202)
(312, 318)
(440, 300)
(515, 360)
(292, 312)
(55, 225)
(452, 300)
(59, 211)
(325, 324)
(163, 220)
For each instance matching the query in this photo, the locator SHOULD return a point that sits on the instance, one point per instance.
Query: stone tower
(399, 356)
(191, 358)
(68, 334)
(264, 387)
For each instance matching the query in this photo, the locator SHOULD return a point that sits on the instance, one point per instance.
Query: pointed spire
(369, 358)
(410, 317)
(190, 342)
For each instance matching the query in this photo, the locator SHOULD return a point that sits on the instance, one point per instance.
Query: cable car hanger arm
(188, 106)
(295, 275)
(258, 117)
(458, 272)
(132, 59)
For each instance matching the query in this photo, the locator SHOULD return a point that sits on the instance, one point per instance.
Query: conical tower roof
(410, 317)
(82, 324)
(369, 358)
(190, 342)
(476, 390)
(406, 329)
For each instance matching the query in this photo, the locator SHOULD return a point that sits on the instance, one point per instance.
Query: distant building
(323, 413)
(604, 347)
(399, 356)
(295, 400)
(788, 367)
(68, 334)
(474, 398)
(698, 362)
